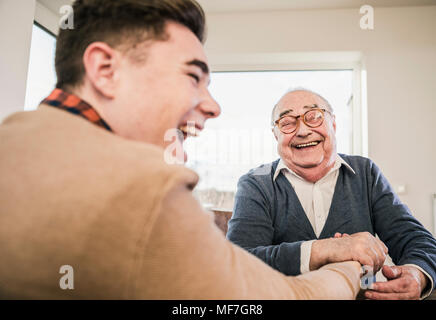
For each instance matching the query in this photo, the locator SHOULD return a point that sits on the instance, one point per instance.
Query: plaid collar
(71, 103)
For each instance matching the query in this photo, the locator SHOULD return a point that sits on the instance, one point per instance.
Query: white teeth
(307, 144)
(190, 131)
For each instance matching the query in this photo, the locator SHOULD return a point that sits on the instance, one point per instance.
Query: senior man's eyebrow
(290, 110)
(201, 64)
(285, 112)
(313, 106)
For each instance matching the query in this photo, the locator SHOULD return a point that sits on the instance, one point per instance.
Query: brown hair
(119, 22)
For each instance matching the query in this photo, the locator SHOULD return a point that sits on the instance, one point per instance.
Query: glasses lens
(314, 118)
(287, 124)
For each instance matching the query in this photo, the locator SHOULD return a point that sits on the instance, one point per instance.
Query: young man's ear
(100, 62)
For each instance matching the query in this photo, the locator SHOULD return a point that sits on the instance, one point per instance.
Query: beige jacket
(125, 221)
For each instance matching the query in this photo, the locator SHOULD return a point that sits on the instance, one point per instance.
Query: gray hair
(294, 89)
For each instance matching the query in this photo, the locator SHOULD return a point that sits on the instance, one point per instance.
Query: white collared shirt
(316, 199)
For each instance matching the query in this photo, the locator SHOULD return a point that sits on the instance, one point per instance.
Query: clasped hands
(403, 282)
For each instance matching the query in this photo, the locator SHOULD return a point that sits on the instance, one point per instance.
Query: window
(241, 138)
(41, 77)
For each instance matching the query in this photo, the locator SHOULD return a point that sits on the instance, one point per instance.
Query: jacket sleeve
(408, 241)
(251, 227)
(188, 257)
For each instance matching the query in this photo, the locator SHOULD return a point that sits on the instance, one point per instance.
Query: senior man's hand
(362, 247)
(404, 283)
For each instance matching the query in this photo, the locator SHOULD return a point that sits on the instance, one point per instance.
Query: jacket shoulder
(264, 172)
(102, 193)
(359, 164)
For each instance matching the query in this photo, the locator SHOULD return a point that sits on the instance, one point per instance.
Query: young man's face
(166, 91)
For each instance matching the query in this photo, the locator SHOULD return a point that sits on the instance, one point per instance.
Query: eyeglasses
(312, 118)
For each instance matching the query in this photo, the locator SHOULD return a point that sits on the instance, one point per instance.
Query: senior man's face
(309, 152)
(167, 91)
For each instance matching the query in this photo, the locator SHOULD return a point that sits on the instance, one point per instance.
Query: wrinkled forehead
(297, 102)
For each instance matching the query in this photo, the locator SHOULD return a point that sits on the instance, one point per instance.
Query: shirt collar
(338, 163)
(73, 104)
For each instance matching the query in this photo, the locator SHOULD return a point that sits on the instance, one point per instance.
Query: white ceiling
(217, 6)
(54, 5)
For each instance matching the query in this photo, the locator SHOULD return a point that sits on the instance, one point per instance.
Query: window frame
(36, 23)
(310, 61)
(51, 34)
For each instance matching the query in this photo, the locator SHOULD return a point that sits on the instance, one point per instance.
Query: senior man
(313, 206)
(85, 190)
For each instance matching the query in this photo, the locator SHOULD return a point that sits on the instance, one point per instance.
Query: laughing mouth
(306, 145)
(189, 131)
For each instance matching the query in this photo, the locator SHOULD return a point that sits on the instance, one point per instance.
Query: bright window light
(41, 77)
(241, 139)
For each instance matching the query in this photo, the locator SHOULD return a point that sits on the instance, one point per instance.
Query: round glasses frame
(303, 118)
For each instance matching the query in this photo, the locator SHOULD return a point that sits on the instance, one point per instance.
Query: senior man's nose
(302, 129)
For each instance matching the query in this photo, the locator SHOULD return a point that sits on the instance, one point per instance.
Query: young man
(85, 187)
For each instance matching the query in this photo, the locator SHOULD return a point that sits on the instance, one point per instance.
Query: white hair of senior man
(295, 89)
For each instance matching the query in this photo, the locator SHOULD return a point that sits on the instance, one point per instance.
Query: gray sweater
(269, 221)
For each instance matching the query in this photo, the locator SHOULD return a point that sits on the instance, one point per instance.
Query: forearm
(194, 261)
(331, 281)
(284, 257)
(321, 253)
(339, 281)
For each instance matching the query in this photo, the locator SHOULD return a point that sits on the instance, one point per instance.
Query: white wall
(400, 59)
(16, 21)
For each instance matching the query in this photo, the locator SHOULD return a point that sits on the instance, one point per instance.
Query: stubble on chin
(311, 171)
